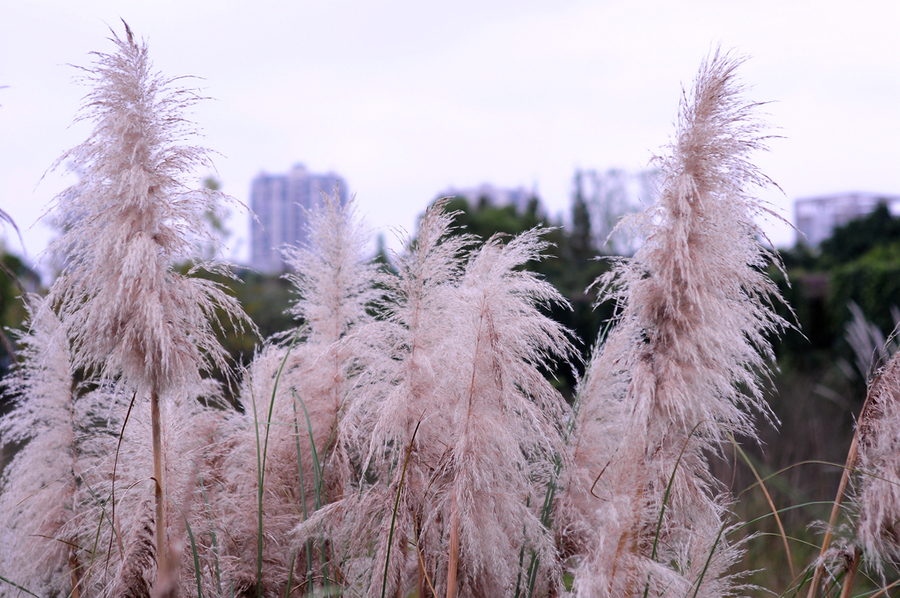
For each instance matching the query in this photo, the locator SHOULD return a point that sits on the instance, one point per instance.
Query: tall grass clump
(48, 490)
(127, 320)
(680, 373)
(878, 492)
(284, 464)
(871, 483)
(404, 439)
(453, 428)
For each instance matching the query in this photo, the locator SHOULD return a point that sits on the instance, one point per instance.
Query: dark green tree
(16, 279)
(581, 241)
(858, 237)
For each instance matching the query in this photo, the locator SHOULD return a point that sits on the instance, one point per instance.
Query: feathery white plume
(458, 427)
(682, 366)
(302, 383)
(878, 492)
(47, 497)
(128, 221)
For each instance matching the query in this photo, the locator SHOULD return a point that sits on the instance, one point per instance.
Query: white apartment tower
(280, 203)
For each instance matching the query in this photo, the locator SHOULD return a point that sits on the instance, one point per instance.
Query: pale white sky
(405, 98)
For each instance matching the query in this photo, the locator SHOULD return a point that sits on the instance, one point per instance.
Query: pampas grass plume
(128, 221)
(677, 375)
(878, 493)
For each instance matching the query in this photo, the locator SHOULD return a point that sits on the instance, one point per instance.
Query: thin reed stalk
(132, 321)
(453, 559)
(159, 484)
(852, 455)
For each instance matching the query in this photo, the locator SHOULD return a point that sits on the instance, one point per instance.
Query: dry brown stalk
(852, 568)
(884, 590)
(161, 554)
(453, 561)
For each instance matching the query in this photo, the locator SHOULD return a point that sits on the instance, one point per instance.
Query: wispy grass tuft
(681, 368)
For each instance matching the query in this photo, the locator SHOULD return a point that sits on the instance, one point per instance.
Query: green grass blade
(315, 455)
(712, 551)
(522, 553)
(18, 587)
(303, 498)
(668, 492)
(190, 533)
(212, 531)
(318, 476)
(387, 558)
(261, 460)
(196, 556)
(300, 461)
(768, 496)
(290, 575)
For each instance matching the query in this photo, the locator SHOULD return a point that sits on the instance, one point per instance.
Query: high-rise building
(280, 203)
(817, 217)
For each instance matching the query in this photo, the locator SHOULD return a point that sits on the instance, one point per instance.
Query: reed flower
(458, 427)
(46, 489)
(129, 315)
(388, 400)
(680, 372)
(128, 221)
(878, 488)
(293, 398)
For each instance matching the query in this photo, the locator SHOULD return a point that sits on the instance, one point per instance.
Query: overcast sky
(406, 98)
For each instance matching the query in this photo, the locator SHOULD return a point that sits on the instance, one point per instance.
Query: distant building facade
(494, 196)
(280, 203)
(817, 217)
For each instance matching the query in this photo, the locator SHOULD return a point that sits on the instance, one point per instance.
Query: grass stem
(161, 548)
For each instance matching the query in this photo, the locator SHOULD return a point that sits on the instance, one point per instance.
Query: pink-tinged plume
(300, 382)
(679, 374)
(129, 315)
(67, 432)
(129, 220)
(458, 430)
(878, 492)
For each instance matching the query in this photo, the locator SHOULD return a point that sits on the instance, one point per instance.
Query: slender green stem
(261, 460)
(668, 492)
(318, 476)
(18, 587)
(290, 580)
(387, 558)
(113, 488)
(712, 551)
(190, 533)
(303, 500)
(762, 486)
